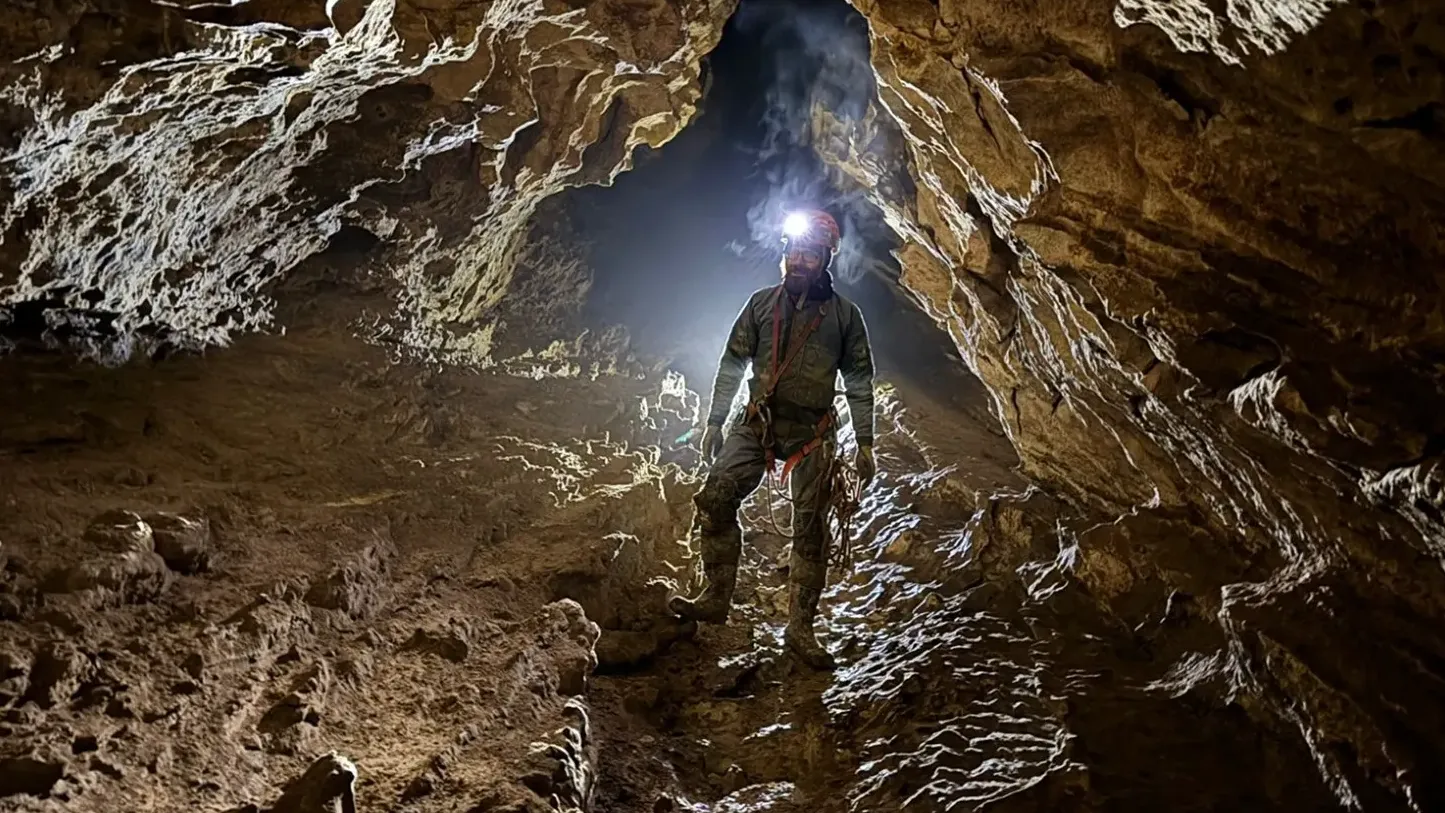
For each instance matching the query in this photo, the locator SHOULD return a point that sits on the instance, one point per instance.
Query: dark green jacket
(808, 384)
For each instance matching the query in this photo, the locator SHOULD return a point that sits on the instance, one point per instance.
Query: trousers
(738, 471)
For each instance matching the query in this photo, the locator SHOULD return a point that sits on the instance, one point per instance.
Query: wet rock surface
(1196, 277)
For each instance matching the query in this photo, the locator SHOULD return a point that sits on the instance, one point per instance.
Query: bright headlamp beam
(795, 225)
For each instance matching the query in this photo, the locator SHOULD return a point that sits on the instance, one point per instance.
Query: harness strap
(775, 372)
(823, 426)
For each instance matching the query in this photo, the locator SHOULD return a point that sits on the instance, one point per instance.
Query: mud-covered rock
(564, 771)
(575, 662)
(57, 672)
(292, 718)
(356, 587)
(328, 786)
(136, 577)
(452, 642)
(184, 543)
(120, 532)
(14, 676)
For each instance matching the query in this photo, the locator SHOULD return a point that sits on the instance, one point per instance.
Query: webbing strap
(795, 346)
(823, 426)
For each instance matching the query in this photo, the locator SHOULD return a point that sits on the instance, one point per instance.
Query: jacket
(839, 344)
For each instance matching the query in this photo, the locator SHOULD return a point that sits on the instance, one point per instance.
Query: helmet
(813, 226)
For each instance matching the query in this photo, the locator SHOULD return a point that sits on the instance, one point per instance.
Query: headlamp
(795, 225)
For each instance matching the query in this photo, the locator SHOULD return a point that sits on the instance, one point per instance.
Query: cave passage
(678, 243)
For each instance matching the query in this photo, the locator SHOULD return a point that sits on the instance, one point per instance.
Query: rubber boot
(713, 605)
(802, 607)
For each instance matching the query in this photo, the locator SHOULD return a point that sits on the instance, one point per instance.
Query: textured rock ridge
(1198, 266)
(166, 163)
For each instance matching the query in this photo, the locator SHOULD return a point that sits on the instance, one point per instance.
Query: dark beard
(817, 288)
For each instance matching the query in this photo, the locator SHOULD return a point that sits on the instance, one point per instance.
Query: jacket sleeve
(857, 369)
(742, 345)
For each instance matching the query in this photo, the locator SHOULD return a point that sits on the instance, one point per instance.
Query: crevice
(1428, 121)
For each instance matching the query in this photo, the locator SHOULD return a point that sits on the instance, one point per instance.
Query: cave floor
(388, 543)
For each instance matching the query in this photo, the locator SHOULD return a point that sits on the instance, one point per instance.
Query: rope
(845, 495)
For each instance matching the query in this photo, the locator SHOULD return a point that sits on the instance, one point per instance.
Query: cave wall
(1196, 257)
(1194, 254)
(169, 163)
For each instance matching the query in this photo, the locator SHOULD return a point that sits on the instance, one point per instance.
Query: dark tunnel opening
(679, 242)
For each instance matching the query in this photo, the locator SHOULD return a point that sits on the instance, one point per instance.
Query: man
(798, 336)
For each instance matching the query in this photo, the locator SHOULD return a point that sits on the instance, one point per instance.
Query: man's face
(804, 261)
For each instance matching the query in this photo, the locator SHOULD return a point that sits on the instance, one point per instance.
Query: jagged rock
(19, 593)
(452, 642)
(135, 577)
(120, 532)
(1068, 253)
(563, 773)
(290, 719)
(357, 587)
(574, 663)
(425, 107)
(354, 670)
(328, 786)
(184, 543)
(57, 672)
(1196, 269)
(14, 676)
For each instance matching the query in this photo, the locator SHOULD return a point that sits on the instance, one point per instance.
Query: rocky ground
(293, 562)
(293, 574)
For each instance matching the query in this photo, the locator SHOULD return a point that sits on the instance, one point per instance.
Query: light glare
(795, 225)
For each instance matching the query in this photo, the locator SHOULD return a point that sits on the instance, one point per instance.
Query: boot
(716, 600)
(802, 607)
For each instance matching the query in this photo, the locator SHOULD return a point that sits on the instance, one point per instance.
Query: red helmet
(813, 226)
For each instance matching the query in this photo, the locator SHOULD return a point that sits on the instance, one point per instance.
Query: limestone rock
(355, 587)
(1199, 278)
(435, 128)
(328, 786)
(452, 642)
(120, 532)
(56, 674)
(135, 577)
(184, 543)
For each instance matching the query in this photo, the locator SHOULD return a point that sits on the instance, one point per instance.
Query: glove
(711, 443)
(865, 465)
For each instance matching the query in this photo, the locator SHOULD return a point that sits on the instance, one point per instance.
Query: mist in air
(679, 243)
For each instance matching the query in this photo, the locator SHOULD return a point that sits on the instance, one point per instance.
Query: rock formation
(1192, 251)
(1195, 257)
(167, 163)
